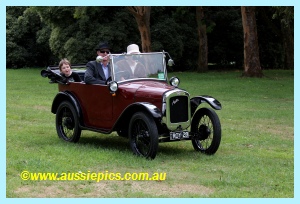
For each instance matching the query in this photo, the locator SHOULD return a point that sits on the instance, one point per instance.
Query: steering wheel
(124, 73)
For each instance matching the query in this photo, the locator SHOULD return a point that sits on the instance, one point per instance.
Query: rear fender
(66, 96)
(196, 101)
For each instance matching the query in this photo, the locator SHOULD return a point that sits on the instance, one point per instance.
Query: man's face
(103, 53)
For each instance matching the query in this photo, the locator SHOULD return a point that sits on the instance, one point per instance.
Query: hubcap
(68, 122)
(204, 132)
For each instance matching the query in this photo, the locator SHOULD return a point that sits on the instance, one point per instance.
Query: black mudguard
(135, 107)
(65, 96)
(196, 101)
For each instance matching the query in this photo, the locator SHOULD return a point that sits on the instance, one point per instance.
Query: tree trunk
(142, 17)
(288, 46)
(252, 66)
(202, 59)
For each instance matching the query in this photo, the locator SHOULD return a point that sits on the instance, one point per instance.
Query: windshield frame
(159, 70)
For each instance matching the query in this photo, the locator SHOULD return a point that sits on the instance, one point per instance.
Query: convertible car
(144, 106)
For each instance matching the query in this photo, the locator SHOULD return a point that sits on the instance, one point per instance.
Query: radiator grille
(179, 109)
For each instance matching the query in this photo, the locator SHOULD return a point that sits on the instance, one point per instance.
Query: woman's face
(66, 69)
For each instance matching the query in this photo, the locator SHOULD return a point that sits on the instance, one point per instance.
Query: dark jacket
(74, 77)
(94, 73)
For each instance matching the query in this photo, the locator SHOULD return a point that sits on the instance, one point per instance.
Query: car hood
(149, 91)
(152, 91)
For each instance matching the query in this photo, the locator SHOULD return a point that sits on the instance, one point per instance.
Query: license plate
(179, 135)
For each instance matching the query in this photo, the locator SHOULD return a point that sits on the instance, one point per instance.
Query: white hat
(133, 48)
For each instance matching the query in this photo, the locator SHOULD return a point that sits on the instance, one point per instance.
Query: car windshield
(137, 66)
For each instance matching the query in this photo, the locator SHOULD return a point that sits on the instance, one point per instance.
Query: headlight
(174, 81)
(113, 86)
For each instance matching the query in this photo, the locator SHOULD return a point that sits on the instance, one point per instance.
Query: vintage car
(147, 109)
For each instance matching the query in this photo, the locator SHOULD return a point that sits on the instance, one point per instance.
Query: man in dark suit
(98, 72)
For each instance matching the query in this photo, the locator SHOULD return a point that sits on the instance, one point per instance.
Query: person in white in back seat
(131, 67)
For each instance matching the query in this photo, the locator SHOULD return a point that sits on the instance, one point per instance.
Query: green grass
(255, 158)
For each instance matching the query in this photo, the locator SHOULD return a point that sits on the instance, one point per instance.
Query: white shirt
(133, 67)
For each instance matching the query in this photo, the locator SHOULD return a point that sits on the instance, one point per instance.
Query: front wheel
(207, 129)
(67, 123)
(143, 135)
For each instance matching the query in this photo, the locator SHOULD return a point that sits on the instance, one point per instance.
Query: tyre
(67, 123)
(143, 135)
(207, 128)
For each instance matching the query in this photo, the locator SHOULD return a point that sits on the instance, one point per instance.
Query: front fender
(196, 101)
(66, 96)
(143, 106)
(136, 107)
(152, 109)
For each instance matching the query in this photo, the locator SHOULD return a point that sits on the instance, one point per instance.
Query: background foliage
(40, 36)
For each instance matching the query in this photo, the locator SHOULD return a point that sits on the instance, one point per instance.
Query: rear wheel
(143, 135)
(67, 124)
(207, 128)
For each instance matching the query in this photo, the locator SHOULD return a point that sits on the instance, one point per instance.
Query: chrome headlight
(174, 81)
(113, 86)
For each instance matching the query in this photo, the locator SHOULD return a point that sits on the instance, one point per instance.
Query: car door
(96, 104)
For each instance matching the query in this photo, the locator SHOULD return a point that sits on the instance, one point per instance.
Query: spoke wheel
(143, 135)
(67, 124)
(207, 127)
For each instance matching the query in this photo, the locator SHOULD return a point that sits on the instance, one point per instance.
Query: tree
(142, 17)
(252, 66)
(24, 45)
(202, 59)
(286, 15)
(76, 31)
(225, 36)
(39, 36)
(173, 29)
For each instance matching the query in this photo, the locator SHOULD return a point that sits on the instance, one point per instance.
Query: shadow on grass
(121, 144)
(105, 142)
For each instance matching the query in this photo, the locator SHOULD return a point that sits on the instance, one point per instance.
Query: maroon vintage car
(145, 107)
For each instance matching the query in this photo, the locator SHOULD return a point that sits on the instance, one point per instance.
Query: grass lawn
(255, 158)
